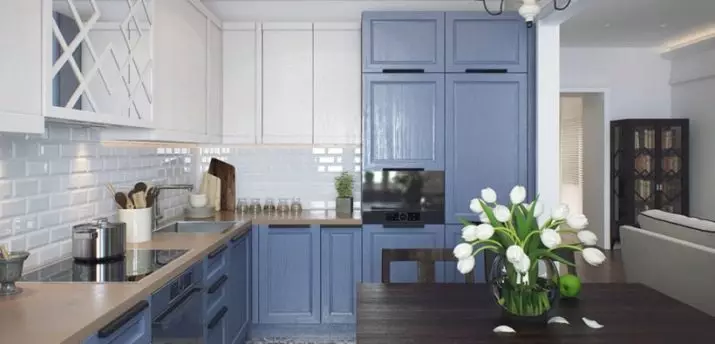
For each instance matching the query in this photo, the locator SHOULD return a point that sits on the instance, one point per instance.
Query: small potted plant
(344, 189)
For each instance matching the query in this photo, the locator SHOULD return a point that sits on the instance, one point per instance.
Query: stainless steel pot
(100, 240)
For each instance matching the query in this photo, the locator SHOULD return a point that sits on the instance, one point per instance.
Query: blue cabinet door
(131, 327)
(377, 237)
(289, 274)
(477, 40)
(341, 271)
(239, 288)
(403, 40)
(486, 139)
(453, 236)
(217, 328)
(254, 276)
(403, 121)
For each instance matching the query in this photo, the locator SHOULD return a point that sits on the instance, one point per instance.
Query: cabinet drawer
(132, 327)
(216, 294)
(215, 264)
(216, 327)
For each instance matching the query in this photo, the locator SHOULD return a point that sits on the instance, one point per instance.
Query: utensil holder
(139, 223)
(11, 272)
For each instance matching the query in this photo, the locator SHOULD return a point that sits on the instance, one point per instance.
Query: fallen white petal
(504, 329)
(558, 320)
(591, 323)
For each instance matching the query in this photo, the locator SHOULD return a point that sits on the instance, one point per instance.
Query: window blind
(571, 143)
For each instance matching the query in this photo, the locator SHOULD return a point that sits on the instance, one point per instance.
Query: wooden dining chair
(425, 258)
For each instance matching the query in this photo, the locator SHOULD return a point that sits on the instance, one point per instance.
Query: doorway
(584, 158)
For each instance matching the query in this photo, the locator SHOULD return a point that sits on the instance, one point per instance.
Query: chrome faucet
(157, 189)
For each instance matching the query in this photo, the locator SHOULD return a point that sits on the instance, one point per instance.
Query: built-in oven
(177, 310)
(403, 197)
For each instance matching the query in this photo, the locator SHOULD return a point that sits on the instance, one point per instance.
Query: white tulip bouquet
(516, 234)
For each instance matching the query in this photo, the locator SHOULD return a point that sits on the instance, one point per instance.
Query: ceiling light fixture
(529, 9)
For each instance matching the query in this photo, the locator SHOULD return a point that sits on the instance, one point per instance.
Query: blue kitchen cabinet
(289, 274)
(453, 236)
(341, 271)
(477, 41)
(404, 121)
(486, 139)
(378, 237)
(239, 286)
(217, 327)
(412, 41)
(254, 275)
(131, 327)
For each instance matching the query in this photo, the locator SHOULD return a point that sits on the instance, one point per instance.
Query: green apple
(569, 285)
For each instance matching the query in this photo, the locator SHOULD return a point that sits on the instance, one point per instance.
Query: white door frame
(606, 155)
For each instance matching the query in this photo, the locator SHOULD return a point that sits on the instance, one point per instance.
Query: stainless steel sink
(196, 227)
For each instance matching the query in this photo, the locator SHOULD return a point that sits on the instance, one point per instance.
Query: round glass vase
(524, 299)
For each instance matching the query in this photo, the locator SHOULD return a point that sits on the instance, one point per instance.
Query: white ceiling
(637, 23)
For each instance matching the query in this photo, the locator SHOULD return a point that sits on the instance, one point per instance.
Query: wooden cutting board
(227, 173)
(211, 187)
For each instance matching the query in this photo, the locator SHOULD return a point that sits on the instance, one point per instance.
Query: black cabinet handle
(218, 317)
(341, 226)
(403, 225)
(180, 303)
(218, 251)
(216, 286)
(288, 226)
(486, 71)
(122, 320)
(415, 169)
(403, 71)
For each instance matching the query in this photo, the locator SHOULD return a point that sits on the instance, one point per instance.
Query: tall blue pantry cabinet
(447, 91)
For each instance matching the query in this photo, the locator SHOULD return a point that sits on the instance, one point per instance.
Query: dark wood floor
(611, 271)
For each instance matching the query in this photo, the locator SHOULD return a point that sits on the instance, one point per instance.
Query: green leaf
(466, 222)
(490, 213)
(550, 255)
(522, 227)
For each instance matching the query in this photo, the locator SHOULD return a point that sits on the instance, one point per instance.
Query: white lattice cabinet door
(336, 86)
(21, 65)
(101, 66)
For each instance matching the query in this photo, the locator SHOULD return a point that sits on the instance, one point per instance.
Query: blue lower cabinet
(239, 287)
(340, 272)
(289, 274)
(378, 237)
(131, 327)
(216, 328)
(254, 275)
(453, 236)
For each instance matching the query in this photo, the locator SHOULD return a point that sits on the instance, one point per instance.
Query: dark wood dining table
(467, 313)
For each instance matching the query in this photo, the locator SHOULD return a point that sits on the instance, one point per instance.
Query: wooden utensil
(141, 186)
(121, 199)
(115, 194)
(139, 199)
(4, 253)
(227, 174)
(150, 197)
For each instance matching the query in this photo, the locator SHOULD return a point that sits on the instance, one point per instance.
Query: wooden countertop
(66, 313)
(307, 217)
(70, 312)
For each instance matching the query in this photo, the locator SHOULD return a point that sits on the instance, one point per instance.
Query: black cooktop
(135, 265)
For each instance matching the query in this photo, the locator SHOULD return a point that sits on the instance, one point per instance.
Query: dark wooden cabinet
(649, 169)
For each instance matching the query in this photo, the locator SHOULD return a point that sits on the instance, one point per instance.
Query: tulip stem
(575, 248)
(526, 240)
(490, 242)
(485, 247)
(511, 235)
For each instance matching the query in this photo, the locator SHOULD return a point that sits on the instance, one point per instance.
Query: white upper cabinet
(180, 67)
(241, 99)
(287, 83)
(337, 80)
(214, 80)
(22, 66)
(100, 63)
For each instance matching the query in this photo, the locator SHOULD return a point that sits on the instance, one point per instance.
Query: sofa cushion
(679, 226)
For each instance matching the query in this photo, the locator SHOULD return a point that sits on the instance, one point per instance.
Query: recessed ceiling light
(607, 25)
(663, 26)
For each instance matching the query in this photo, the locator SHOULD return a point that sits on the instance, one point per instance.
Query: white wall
(693, 92)
(637, 78)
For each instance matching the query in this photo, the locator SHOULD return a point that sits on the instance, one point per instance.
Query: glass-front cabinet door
(671, 170)
(644, 166)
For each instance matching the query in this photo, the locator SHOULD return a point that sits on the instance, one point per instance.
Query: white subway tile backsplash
(38, 204)
(25, 188)
(37, 239)
(50, 183)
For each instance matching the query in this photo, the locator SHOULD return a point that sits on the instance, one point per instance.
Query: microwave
(402, 196)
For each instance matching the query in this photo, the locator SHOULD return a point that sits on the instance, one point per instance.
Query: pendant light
(529, 9)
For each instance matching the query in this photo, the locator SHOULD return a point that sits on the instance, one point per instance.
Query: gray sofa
(673, 254)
